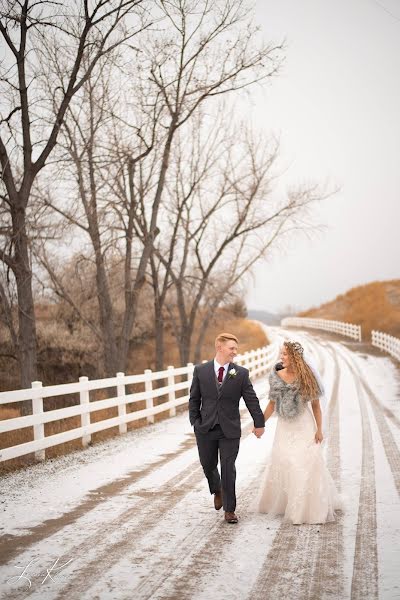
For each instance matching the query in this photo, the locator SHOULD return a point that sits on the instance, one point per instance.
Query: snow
(68, 479)
(351, 457)
(388, 521)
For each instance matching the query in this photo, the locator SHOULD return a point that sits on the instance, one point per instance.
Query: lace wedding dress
(296, 482)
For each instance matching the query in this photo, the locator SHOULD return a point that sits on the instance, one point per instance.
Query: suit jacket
(207, 400)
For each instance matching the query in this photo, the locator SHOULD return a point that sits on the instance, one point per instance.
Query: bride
(296, 481)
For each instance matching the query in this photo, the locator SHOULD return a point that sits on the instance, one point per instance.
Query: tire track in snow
(12, 545)
(144, 521)
(137, 522)
(389, 443)
(373, 396)
(365, 566)
(327, 577)
(177, 577)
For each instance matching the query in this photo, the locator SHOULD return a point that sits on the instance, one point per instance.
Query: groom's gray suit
(214, 413)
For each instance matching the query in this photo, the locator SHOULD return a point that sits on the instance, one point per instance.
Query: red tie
(221, 374)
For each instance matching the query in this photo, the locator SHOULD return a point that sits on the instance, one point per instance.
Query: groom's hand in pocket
(258, 431)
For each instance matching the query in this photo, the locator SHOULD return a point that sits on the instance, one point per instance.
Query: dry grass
(250, 336)
(249, 333)
(373, 306)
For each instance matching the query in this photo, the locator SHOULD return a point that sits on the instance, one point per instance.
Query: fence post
(85, 416)
(171, 389)
(264, 360)
(252, 366)
(123, 427)
(148, 386)
(38, 430)
(256, 360)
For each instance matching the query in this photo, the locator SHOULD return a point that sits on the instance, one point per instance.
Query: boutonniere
(232, 373)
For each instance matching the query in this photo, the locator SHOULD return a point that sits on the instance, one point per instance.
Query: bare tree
(40, 36)
(207, 49)
(192, 159)
(228, 220)
(99, 150)
(188, 62)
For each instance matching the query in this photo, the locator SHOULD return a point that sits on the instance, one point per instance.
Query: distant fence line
(384, 341)
(347, 329)
(257, 361)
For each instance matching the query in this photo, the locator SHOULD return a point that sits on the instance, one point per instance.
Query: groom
(215, 393)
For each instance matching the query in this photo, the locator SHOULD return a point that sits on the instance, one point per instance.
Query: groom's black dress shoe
(218, 500)
(230, 517)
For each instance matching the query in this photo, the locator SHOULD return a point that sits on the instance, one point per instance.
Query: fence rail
(386, 342)
(347, 329)
(257, 361)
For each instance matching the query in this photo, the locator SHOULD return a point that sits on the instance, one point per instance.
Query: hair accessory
(296, 347)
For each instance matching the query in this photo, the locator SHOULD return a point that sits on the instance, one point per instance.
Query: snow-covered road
(132, 518)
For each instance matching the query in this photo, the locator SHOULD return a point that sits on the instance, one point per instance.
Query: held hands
(258, 431)
(318, 436)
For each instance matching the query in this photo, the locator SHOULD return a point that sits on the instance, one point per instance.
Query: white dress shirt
(217, 366)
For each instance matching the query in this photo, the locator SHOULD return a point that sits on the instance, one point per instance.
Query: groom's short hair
(225, 337)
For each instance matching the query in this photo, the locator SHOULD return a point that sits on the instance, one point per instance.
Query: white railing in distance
(346, 329)
(386, 342)
(257, 361)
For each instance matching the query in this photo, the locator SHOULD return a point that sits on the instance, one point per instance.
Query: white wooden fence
(257, 361)
(347, 329)
(386, 342)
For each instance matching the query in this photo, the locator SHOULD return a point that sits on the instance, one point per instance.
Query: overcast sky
(336, 106)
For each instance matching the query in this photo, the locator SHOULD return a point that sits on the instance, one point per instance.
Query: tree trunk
(109, 342)
(129, 318)
(205, 324)
(132, 295)
(184, 332)
(201, 337)
(159, 338)
(27, 341)
(184, 342)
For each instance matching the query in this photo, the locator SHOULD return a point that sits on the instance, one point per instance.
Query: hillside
(375, 305)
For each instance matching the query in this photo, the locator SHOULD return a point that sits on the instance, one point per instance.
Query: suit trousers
(208, 445)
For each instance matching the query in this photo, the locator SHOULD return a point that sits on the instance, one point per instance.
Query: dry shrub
(9, 412)
(14, 438)
(250, 335)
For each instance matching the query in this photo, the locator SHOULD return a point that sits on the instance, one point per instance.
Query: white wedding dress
(296, 482)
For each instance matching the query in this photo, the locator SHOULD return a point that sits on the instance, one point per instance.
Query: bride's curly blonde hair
(309, 388)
